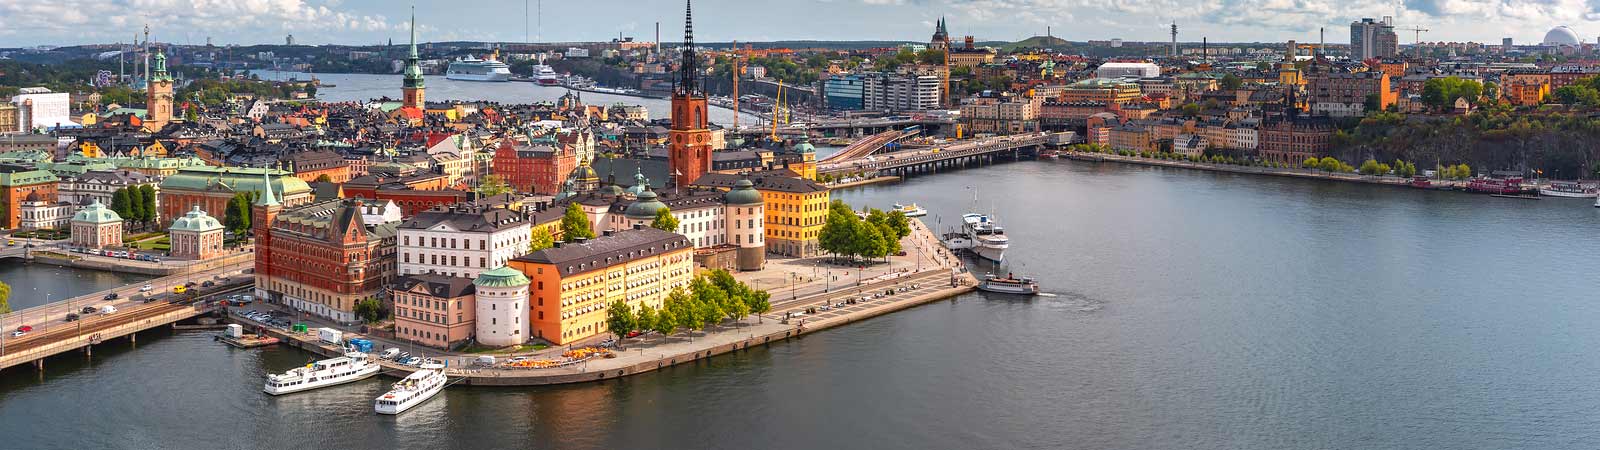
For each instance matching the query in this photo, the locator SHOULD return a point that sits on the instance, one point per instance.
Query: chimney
(638, 226)
(557, 244)
(608, 232)
(580, 240)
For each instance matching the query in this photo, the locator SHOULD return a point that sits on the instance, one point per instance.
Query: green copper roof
(413, 69)
(502, 277)
(743, 193)
(646, 207)
(267, 198)
(96, 213)
(235, 179)
(161, 66)
(27, 177)
(196, 220)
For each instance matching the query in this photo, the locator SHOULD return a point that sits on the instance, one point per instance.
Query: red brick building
(16, 183)
(1290, 140)
(537, 168)
(211, 187)
(321, 258)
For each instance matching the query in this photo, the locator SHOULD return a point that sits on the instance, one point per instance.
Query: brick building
(17, 182)
(210, 188)
(1292, 139)
(534, 168)
(1345, 94)
(321, 258)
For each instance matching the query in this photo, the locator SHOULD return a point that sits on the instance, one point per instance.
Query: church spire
(267, 198)
(161, 66)
(688, 82)
(413, 68)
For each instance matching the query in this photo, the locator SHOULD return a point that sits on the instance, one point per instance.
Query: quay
(1291, 173)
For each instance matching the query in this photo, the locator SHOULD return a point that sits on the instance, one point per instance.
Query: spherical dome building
(502, 306)
(1560, 36)
(746, 219)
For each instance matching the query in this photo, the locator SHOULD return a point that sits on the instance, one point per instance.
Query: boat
(412, 390)
(1009, 285)
(1504, 183)
(328, 372)
(474, 69)
(957, 241)
(911, 210)
(1570, 189)
(988, 237)
(545, 76)
(1597, 202)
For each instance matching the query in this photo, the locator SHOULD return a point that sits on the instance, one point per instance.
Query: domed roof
(502, 277)
(646, 206)
(640, 183)
(584, 172)
(743, 193)
(1561, 36)
(611, 190)
(96, 213)
(804, 146)
(196, 220)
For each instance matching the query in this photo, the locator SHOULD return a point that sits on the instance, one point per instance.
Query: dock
(248, 340)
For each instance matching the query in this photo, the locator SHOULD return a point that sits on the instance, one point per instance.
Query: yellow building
(1104, 90)
(796, 209)
(572, 285)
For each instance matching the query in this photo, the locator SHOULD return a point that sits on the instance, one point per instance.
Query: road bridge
(927, 160)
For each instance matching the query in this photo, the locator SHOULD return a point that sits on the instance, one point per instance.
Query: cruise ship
(416, 388)
(474, 69)
(328, 372)
(989, 240)
(545, 76)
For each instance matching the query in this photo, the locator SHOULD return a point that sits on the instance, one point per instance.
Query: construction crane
(1416, 34)
(737, 56)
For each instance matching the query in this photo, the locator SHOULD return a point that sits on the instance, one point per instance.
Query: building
(845, 92)
(96, 226)
(40, 109)
(1525, 87)
(535, 168)
(158, 96)
(1292, 139)
(1004, 116)
(1104, 90)
(502, 303)
(320, 258)
(795, 209)
(1134, 70)
(196, 235)
(1373, 39)
(941, 36)
(38, 214)
(1345, 94)
(17, 184)
(461, 240)
(435, 310)
(900, 92)
(100, 185)
(1134, 137)
(10, 119)
(211, 188)
(1561, 37)
(573, 284)
(308, 166)
(969, 56)
(689, 139)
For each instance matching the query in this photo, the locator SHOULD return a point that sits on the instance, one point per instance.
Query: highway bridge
(932, 159)
(869, 145)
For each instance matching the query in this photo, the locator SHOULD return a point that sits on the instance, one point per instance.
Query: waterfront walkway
(1257, 170)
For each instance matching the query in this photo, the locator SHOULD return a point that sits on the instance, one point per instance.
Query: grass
(165, 243)
(53, 235)
(142, 236)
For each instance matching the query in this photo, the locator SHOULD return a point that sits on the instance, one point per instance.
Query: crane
(1416, 37)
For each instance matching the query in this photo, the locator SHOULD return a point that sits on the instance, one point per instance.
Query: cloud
(117, 20)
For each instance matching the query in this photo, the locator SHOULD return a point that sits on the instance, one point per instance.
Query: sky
(70, 22)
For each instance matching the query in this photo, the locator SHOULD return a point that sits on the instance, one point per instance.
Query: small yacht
(328, 372)
(414, 389)
(911, 210)
(1009, 285)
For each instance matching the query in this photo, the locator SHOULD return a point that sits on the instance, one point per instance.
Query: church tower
(689, 139)
(158, 98)
(941, 37)
(262, 213)
(413, 89)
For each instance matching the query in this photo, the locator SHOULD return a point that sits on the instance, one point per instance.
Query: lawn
(163, 244)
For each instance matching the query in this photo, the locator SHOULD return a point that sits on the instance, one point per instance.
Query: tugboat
(414, 389)
(328, 372)
(1009, 285)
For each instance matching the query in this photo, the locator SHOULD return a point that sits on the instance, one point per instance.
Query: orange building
(435, 310)
(689, 139)
(16, 183)
(1525, 87)
(573, 284)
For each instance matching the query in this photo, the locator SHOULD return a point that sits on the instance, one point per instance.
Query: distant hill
(1037, 42)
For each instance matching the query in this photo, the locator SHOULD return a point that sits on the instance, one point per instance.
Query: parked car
(25, 328)
(208, 283)
(146, 288)
(17, 334)
(389, 353)
(108, 309)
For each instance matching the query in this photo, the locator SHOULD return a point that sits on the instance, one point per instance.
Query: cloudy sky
(62, 22)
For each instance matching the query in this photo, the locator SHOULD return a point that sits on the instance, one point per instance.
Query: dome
(584, 172)
(1561, 35)
(96, 213)
(196, 220)
(611, 190)
(503, 277)
(646, 207)
(743, 193)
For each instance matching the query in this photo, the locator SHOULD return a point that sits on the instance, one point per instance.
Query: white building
(1127, 70)
(461, 240)
(381, 211)
(1243, 136)
(900, 92)
(100, 185)
(38, 214)
(38, 107)
(722, 221)
(501, 304)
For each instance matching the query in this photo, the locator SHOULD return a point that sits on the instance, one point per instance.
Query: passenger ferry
(416, 388)
(1009, 285)
(545, 76)
(328, 372)
(474, 69)
(988, 237)
(911, 210)
(1570, 189)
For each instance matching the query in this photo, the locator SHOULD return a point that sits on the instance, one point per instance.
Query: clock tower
(158, 97)
(689, 139)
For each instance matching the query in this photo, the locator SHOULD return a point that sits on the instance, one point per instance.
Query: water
(37, 284)
(1193, 310)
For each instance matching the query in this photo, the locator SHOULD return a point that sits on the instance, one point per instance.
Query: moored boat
(545, 76)
(328, 372)
(988, 237)
(911, 210)
(1570, 189)
(1009, 284)
(412, 390)
(474, 69)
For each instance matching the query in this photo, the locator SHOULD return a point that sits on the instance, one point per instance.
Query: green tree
(1373, 103)
(646, 318)
(931, 57)
(147, 195)
(759, 302)
(540, 239)
(324, 178)
(664, 221)
(1369, 167)
(493, 185)
(190, 115)
(119, 203)
(1230, 82)
(1441, 93)
(1311, 163)
(1576, 94)
(135, 206)
(620, 319)
(575, 224)
(900, 223)
(370, 310)
(5, 298)
(665, 322)
(681, 307)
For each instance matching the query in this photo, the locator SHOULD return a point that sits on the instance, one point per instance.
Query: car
(207, 284)
(634, 334)
(25, 328)
(146, 288)
(111, 296)
(108, 309)
(89, 310)
(17, 334)
(72, 317)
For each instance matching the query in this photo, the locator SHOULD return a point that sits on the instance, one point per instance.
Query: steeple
(688, 75)
(413, 68)
(267, 198)
(161, 66)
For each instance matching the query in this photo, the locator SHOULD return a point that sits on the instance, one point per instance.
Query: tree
(147, 194)
(370, 310)
(620, 319)
(645, 319)
(1230, 82)
(665, 322)
(679, 305)
(135, 205)
(575, 224)
(324, 178)
(119, 203)
(1441, 93)
(1373, 103)
(759, 303)
(1311, 163)
(900, 223)
(237, 216)
(540, 239)
(189, 115)
(932, 57)
(1577, 94)
(5, 298)
(493, 185)
(1370, 167)
(664, 221)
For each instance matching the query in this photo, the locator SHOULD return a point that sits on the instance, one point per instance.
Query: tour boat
(414, 389)
(328, 372)
(1009, 285)
(1569, 189)
(474, 69)
(989, 238)
(911, 210)
(1505, 185)
(545, 75)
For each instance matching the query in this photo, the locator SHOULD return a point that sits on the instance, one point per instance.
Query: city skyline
(359, 22)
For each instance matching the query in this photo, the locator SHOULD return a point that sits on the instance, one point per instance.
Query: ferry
(911, 210)
(1009, 285)
(545, 76)
(1498, 183)
(328, 372)
(1570, 189)
(474, 69)
(411, 391)
(988, 237)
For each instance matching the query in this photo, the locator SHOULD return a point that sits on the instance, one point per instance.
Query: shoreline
(1440, 185)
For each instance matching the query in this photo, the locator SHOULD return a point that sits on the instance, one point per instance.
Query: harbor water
(1188, 310)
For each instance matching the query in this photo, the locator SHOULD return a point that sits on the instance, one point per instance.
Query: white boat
(474, 69)
(1597, 202)
(411, 391)
(957, 241)
(1009, 285)
(1570, 189)
(328, 372)
(545, 76)
(989, 238)
(911, 210)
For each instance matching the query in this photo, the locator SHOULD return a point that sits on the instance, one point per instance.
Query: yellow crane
(777, 106)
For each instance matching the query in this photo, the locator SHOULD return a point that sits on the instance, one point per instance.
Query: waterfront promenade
(1214, 167)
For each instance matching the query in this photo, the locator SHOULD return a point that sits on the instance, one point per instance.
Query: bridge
(13, 252)
(927, 160)
(869, 145)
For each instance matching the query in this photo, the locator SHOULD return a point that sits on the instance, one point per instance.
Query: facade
(158, 97)
(502, 302)
(96, 226)
(310, 165)
(434, 310)
(1525, 87)
(1293, 139)
(900, 92)
(689, 138)
(1373, 39)
(39, 108)
(321, 258)
(1133, 137)
(196, 235)
(573, 284)
(17, 183)
(1345, 94)
(845, 92)
(461, 240)
(1015, 115)
(39, 214)
(100, 185)
(1104, 90)
(795, 209)
(1127, 70)
(536, 168)
(212, 187)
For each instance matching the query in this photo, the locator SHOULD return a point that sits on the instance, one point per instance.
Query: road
(51, 315)
(96, 323)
